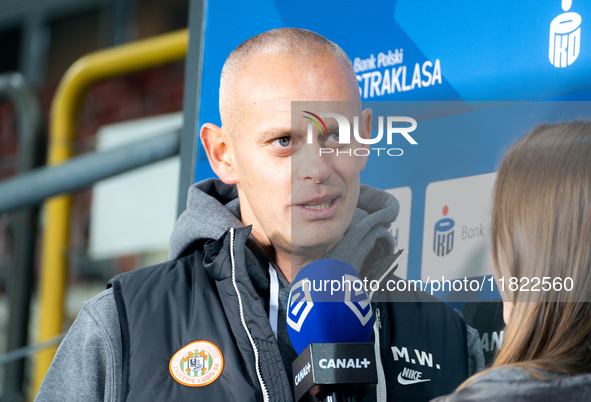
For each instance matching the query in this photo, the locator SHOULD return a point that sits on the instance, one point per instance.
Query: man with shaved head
(255, 147)
(210, 323)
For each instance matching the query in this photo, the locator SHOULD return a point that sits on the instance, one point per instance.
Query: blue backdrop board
(481, 65)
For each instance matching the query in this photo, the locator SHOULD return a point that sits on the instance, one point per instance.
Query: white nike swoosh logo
(408, 382)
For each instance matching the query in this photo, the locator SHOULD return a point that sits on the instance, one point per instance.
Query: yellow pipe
(86, 71)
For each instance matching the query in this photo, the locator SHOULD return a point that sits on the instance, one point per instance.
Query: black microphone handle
(334, 372)
(332, 393)
(338, 396)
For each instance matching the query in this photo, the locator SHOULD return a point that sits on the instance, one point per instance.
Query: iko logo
(443, 237)
(344, 133)
(565, 37)
(299, 304)
(357, 301)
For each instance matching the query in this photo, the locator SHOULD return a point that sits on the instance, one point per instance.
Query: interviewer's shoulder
(493, 385)
(515, 384)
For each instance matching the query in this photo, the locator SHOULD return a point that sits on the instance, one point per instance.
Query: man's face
(298, 201)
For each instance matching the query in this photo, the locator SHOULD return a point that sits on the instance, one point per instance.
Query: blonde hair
(299, 44)
(541, 227)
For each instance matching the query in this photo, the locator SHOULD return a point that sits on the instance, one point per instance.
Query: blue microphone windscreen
(328, 304)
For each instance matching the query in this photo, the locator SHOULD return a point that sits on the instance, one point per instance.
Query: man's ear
(365, 132)
(218, 147)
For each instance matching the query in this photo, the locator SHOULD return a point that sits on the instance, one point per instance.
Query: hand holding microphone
(329, 322)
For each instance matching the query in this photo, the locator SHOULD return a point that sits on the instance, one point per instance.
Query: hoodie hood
(213, 207)
(376, 210)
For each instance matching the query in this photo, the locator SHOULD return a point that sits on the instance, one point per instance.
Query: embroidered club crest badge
(197, 364)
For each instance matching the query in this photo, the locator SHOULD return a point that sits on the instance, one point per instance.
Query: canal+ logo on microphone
(343, 135)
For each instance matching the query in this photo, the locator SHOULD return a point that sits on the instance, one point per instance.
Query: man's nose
(313, 166)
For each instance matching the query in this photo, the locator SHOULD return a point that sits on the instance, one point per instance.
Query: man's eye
(283, 141)
(332, 137)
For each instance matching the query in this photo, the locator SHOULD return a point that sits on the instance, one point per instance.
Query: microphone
(329, 322)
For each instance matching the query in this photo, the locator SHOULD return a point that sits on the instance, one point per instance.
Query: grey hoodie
(514, 384)
(88, 363)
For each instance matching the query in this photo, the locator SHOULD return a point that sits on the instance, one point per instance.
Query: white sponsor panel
(134, 212)
(400, 228)
(456, 233)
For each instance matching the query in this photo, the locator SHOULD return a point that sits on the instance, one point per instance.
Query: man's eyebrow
(276, 132)
(332, 127)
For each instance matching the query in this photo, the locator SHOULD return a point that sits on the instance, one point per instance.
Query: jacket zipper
(250, 338)
(381, 389)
